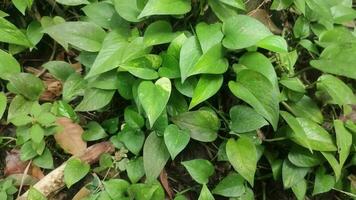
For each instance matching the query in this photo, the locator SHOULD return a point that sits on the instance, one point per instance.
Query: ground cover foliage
(202, 99)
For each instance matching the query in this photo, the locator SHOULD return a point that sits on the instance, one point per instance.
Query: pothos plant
(261, 105)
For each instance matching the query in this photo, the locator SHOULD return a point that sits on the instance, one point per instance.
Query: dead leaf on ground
(82, 193)
(69, 136)
(264, 17)
(163, 177)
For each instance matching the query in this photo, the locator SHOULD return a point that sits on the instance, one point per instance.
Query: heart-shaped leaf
(8, 65)
(154, 97)
(74, 171)
(199, 169)
(242, 155)
(175, 139)
(159, 32)
(165, 7)
(245, 119)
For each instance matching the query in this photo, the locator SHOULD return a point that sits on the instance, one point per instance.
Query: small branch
(54, 181)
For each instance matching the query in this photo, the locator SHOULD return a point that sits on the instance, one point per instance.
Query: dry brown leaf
(163, 177)
(70, 136)
(84, 192)
(264, 17)
(14, 165)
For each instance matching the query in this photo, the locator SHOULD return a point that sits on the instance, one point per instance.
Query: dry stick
(54, 181)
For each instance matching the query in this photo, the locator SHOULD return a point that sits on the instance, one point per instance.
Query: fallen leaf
(69, 137)
(14, 165)
(163, 177)
(81, 194)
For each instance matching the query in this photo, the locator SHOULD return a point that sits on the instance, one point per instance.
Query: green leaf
(27, 85)
(337, 91)
(342, 13)
(274, 43)
(116, 188)
(343, 141)
(37, 133)
(243, 31)
(307, 108)
(86, 36)
(100, 13)
(95, 99)
(141, 191)
(115, 51)
(292, 174)
(212, 62)
(141, 67)
(159, 32)
(309, 134)
(207, 86)
(22, 5)
(73, 86)
(222, 10)
(294, 84)
(208, 35)
(337, 168)
(242, 155)
(301, 28)
(45, 160)
(93, 132)
(231, 186)
(199, 169)
(205, 194)
(337, 59)
(8, 65)
(245, 119)
(300, 189)
(281, 4)
(9, 33)
(135, 170)
(3, 103)
(34, 194)
(323, 182)
(72, 2)
(303, 158)
(59, 69)
(132, 139)
(202, 125)
(133, 119)
(27, 152)
(155, 156)
(74, 171)
(165, 7)
(235, 3)
(175, 139)
(34, 32)
(158, 93)
(129, 10)
(255, 89)
(19, 106)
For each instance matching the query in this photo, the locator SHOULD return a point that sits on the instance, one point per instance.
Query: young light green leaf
(336, 89)
(222, 10)
(165, 7)
(59, 69)
(155, 156)
(208, 35)
(34, 32)
(133, 118)
(235, 3)
(93, 132)
(3, 103)
(231, 186)
(294, 84)
(86, 36)
(242, 155)
(336, 59)
(45, 160)
(323, 182)
(175, 139)
(343, 141)
(27, 85)
(95, 99)
(129, 10)
(243, 31)
(300, 189)
(22, 5)
(72, 2)
(9, 33)
(199, 169)
(245, 119)
(74, 171)
(207, 86)
(34, 194)
(37, 133)
(255, 89)
(202, 125)
(292, 174)
(73, 86)
(205, 194)
(274, 43)
(158, 93)
(159, 32)
(8, 65)
(135, 170)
